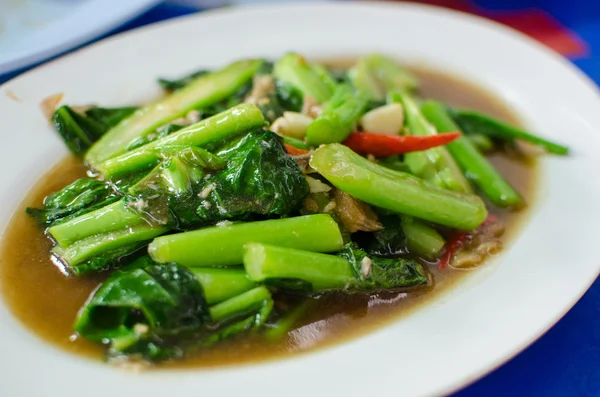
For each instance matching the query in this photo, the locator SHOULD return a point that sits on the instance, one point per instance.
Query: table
(566, 360)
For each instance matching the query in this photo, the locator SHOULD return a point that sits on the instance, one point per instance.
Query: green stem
(434, 165)
(223, 245)
(243, 304)
(102, 243)
(475, 166)
(338, 117)
(289, 321)
(222, 284)
(422, 240)
(483, 143)
(229, 123)
(324, 272)
(295, 70)
(479, 123)
(397, 191)
(113, 217)
(201, 92)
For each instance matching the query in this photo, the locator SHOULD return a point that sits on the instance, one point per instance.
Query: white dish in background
(34, 30)
(441, 347)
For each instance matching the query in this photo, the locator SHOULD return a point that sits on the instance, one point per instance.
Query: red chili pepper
(388, 145)
(457, 239)
(294, 151)
(452, 245)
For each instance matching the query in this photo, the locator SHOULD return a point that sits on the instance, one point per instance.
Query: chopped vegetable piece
(352, 270)
(338, 118)
(473, 122)
(295, 70)
(396, 191)
(216, 129)
(422, 239)
(476, 167)
(222, 284)
(78, 132)
(223, 245)
(260, 179)
(388, 145)
(434, 165)
(376, 74)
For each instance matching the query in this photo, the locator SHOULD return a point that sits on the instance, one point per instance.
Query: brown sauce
(46, 301)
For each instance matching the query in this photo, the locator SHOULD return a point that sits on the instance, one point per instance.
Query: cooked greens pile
(262, 180)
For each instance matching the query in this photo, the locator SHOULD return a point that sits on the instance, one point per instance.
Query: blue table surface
(566, 360)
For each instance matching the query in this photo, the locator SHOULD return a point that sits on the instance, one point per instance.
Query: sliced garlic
(292, 124)
(386, 119)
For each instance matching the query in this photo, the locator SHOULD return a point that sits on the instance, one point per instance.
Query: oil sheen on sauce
(46, 302)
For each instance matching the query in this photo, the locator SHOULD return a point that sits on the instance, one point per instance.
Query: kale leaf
(136, 308)
(388, 242)
(260, 179)
(109, 117)
(78, 131)
(82, 196)
(375, 273)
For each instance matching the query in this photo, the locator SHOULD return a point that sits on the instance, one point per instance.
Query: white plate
(33, 30)
(443, 346)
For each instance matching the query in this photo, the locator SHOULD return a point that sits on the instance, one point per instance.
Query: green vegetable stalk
(352, 270)
(338, 117)
(397, 191)
(222, 284)
(215, 129)
(422, 240)
(203, 91)
(223, 245)
(375, 75)
(434, 165)
(293, 69)
(473, 122)
(475, 166)
(155, 312)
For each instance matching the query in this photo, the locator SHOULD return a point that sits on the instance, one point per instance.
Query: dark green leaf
(162, 299)
(260, 179)
(82, 196)
(388, 242)
(109, 117)
(77, 131)
(382, 273)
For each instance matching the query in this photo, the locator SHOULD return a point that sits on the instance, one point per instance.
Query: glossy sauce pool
(46, 301)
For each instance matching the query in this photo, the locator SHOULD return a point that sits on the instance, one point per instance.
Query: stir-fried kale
(260, 179)
(351, 270)
(82, 196)
(79, 131)
(109, 117)
(154, 312)
(284, 98)
(375, 273)
(160, 132)
(136, 308)
(388, 242)
(172, 192)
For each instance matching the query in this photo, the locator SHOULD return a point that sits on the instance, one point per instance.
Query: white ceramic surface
(443, 346)
(33, 30)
